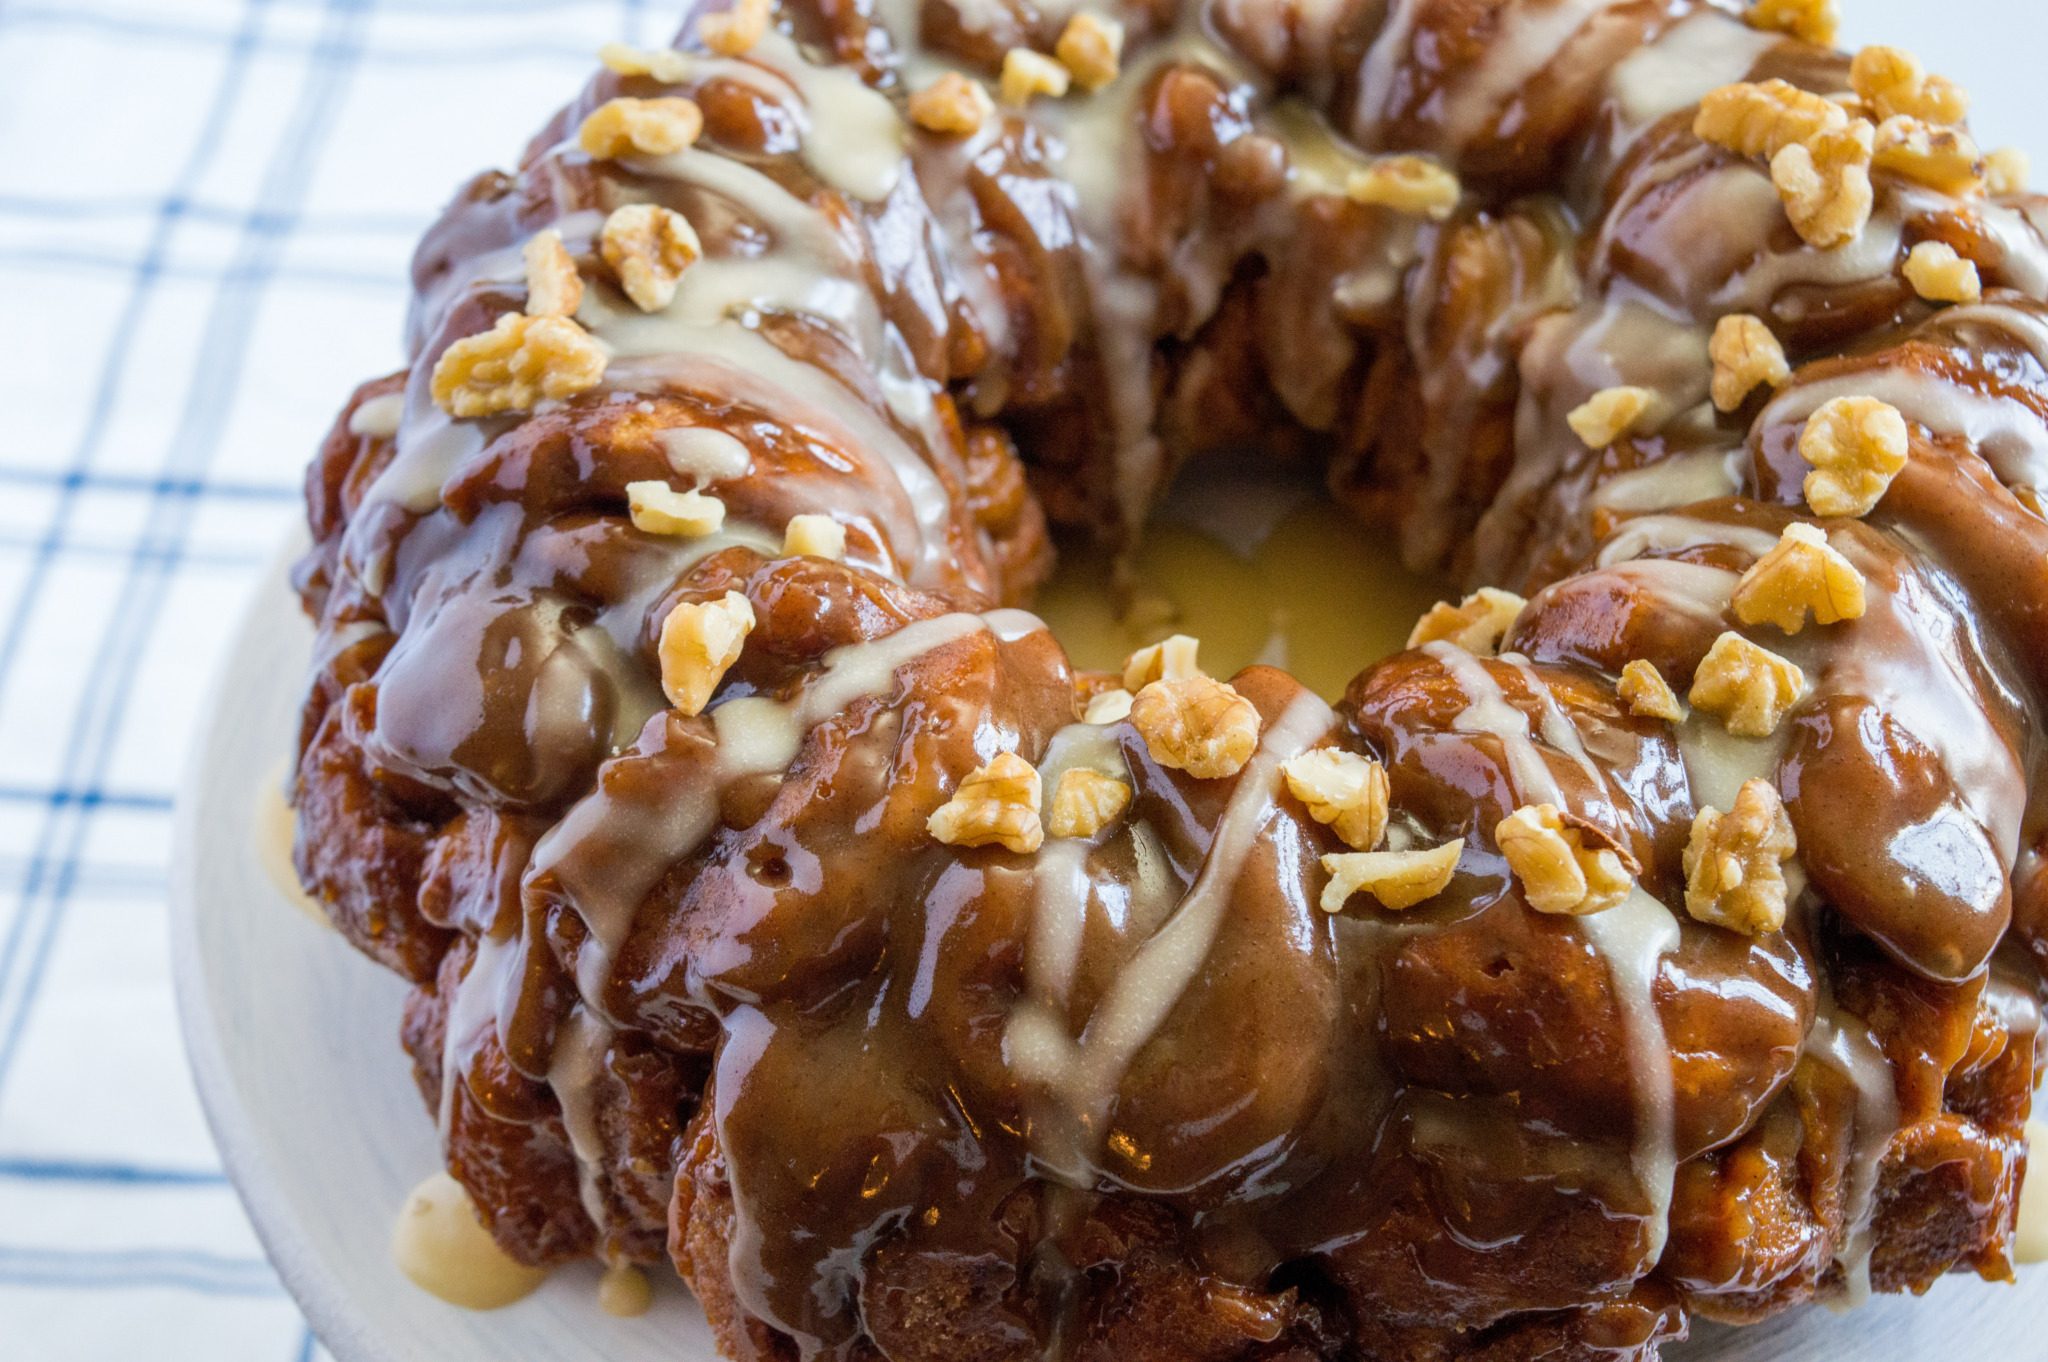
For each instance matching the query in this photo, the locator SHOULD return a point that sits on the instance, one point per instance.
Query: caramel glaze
(705, 987)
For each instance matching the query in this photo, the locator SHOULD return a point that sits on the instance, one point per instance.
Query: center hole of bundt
(1264, 569)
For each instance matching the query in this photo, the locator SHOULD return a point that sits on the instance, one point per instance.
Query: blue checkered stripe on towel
(206, 209)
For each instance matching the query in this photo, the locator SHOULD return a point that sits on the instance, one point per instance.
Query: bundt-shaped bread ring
(1662, 940)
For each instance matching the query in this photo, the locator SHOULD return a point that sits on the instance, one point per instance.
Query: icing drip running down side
(1657, 935)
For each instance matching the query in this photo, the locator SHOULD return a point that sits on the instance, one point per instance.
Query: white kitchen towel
(207, 209)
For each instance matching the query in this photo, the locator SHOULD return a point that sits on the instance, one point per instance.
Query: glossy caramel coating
(705, 986)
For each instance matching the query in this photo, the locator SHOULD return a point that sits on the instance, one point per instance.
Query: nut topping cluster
(1749, 688)
(1856, 445)
(996, 805)
(700, 640)
(1802, 574)
(1734, 862)
(1560, 871)
(1343, 790)
(1477, 624)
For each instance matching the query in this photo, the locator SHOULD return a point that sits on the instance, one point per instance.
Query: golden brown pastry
(1659, 936)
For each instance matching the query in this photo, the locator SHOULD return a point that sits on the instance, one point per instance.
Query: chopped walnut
(1477, 624)
(998, 804)
(1856, 445)
(1734, 875)
(648, 248)
(1646, 693)
(1890, 81)
(734, 33)
(1802, 574)
(700, 640)
(1197, 725)
(953, 105)
(1027, 74)
(2030, 497)
(1171, 659)
(640, 127)
(1343, 790)
(814, 536)
(1398, 879)
(664, 64)
(1085, 802)
(1108, 707)
(658, 508)
(1559, 873)
(1611, 413)
(1091, 47)
(1940, 158)
(520, 361)
(1939, 275)
(1414, 185)
(1746, 356)
(1750, 688)
(1825, 184)
(1763, 119)
(2005, 171)
(1813, 21)
(553, 287)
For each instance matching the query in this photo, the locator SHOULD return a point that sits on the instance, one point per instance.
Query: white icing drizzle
(705, 454)
(1700, 53)
(2007, 432)
(573, 1074)
(1632, 938)
(378, 417)
(438, 1242)
(756, 736)
(1084, 1074)
(1844, 1043)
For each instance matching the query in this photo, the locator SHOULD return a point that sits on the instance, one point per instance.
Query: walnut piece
(700, 640)
(1414, 185)
(1085, 802)
(1801, 574)
(1558, 872)
(953, 106)
(1940, 158)
(734, 33)
(996, 805)
(640, 127)
(658, 508)
(1170, 659)
(1646, 693)
(648, 248)
(1108, 707)
(814, 536)
(1397, 879)
(1939, 275)
(1814, 21)
(1091, 47)
(2005, 171)
(553, 287)
(664, 64)
(1477, 624)
(1856, 445)
(1343, 790)
(518, 362)
(1027, 74)
(1734, 861)
(1746, 356)
(1198, 725)
(1748, 687)
(1611, 413)
(1825, 184)
(1763, 119)
(1891, 81)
